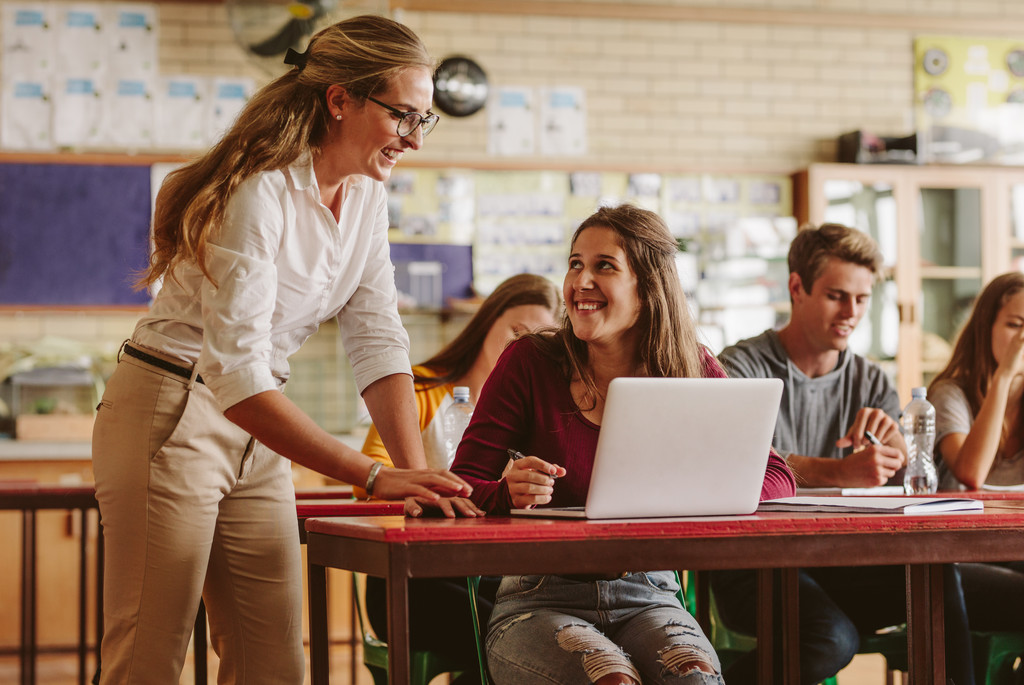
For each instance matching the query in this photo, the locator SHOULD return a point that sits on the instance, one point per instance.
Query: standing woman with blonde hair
(280, 226)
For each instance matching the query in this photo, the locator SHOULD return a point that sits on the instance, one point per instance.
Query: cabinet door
(949, 222)
(871, 207)
(1015, 202)
(871, 199)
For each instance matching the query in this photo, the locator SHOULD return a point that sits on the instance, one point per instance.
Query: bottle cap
(921, 392)
(460, 392)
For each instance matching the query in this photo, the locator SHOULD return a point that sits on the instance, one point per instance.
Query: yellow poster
(969, 99)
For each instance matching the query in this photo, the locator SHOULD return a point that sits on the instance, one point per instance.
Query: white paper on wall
(77, 112)
(128, 113)
(132, 39)
(229, 96)
(128, 105)
(26, 101)
(510, 121)
(28, 37)
(26, 109)
(563, 121)
(81, 61)
(181, 112)
(81, 41)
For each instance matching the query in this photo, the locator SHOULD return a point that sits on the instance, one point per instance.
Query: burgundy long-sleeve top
(526, 405)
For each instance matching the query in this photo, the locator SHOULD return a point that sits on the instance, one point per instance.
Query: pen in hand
(516, 455)
(871, 437)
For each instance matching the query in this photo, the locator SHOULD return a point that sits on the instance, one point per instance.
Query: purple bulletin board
(73, 234)
(457, 274)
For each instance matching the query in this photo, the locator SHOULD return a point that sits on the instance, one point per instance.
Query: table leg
(925, 624)
(319, 641)
(789, 601)
(28, 597)
(99, 589)
(702, 597)
(353, 632)
(765, 627)
(398, 620)
(83, 570)
(788, 648)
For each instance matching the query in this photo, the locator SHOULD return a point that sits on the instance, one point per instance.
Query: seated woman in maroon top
(626, 315)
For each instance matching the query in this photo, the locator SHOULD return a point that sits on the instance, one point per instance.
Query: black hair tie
(296, 59)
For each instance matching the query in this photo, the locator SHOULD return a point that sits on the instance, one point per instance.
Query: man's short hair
(814, 245)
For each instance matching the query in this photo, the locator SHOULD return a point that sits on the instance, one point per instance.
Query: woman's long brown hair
(286, 117)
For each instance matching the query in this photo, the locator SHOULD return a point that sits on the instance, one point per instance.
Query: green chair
(473, 584)
(995, 654)
(424, 666)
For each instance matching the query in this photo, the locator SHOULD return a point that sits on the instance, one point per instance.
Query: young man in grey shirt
(834, 401)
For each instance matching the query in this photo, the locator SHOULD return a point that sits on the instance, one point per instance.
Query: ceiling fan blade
(287, 36)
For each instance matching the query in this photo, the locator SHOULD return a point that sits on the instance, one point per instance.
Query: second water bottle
(919, 432)
(456, 418)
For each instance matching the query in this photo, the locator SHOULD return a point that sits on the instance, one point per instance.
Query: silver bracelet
(371, 479)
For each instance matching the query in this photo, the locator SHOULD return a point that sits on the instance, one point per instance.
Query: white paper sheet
(511, 121)
(131, 75)
(229, 96)
(563, 116)
(81, 65)
(132, 35)
(26, 101)
(182, 105)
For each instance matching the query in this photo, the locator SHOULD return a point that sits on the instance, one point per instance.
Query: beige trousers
(190, 506)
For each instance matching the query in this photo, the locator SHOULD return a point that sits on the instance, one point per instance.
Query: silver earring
(338, 117)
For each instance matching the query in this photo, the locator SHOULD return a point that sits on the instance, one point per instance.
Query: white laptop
(679, 447)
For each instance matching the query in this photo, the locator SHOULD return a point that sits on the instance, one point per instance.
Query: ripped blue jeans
(550, 629)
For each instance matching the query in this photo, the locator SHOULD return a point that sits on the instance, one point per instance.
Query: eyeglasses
(409, 121)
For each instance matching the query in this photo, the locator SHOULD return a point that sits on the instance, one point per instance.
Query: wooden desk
(398, 549)
(307, 508)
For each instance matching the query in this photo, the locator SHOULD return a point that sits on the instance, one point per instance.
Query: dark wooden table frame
(399, 549)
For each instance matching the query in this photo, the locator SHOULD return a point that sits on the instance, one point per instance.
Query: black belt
(160, 363)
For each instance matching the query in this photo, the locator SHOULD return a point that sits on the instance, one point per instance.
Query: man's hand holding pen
(531, 480)
(879, 451)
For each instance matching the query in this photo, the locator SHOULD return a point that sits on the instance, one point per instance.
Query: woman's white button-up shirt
(282, 265)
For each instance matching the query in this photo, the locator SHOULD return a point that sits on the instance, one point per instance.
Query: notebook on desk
(679, 447)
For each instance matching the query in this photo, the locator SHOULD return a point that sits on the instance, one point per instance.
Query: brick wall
(728, 84)
(705, 86)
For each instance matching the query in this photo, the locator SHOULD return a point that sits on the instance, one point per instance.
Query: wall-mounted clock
(460, 86)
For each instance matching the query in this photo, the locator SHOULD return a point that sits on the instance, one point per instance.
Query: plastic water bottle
(919, 432)
(456, 418)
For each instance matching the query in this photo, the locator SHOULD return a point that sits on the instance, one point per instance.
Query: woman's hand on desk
(531, 481)
(450, 507)
(428, 485)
